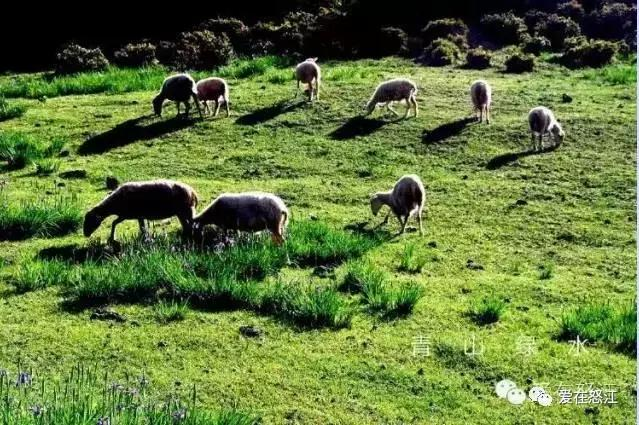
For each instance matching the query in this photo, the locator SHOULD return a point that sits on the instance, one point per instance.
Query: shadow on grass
(357, 126)
(447, 130)
(269, 112)
(510, 157)
(131, 131)
(76, 254)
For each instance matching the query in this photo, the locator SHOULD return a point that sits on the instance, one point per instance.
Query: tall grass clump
(9, 111)
(35, 275)
(18, 150)
(47, 166)
(171, 311)
(40, 218)
(87, 397)
(361, 274)
(488, 310)
(615, 326)
(410, 262)
(247, 68)
(616, 74)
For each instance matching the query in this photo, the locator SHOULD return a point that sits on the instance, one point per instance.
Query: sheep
(150, 200)
(481, 96)
(179, 88)
(247, 211)
(394, 90)
(542, 121)
(406, 198)
(306, 72)
(213, 89)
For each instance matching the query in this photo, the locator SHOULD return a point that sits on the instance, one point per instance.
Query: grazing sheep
(178, 88)
(307, 72)
(406, 198)
(394, 90)
(481, 96)
(248, 211)
(150, 200)
(213, 89)
(542, 121)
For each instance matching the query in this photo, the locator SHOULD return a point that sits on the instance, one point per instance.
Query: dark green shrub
(572, 9)
(165, 52)
(19, 150)
(613, 21)
(557, 29)
(440, 52)
(533, 17)
(593, 53)
(235, 29)
(535, 45)
(203, 50)
(478, 58)
(520, 62)
(488, 310)
(392, 42)
(503, 28)
(263, 36)
(442, 28)
(135, 55)
(461, 41)
(73, 58)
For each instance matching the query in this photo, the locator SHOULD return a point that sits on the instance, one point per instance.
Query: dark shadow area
(76, 254)
(270, 112)
(447, 130)
(373, 231)
(357, 126)
(132, 131)
(508, 158)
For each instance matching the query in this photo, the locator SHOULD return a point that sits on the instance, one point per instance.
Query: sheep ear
(314, 59)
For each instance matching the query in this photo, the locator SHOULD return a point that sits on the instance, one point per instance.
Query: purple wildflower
(37, 410)
(179, 416)
(24, 378)
(104, 421)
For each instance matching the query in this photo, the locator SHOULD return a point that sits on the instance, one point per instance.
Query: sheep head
(376, 203)
(157, 105)
(92, 221)
(557, 133)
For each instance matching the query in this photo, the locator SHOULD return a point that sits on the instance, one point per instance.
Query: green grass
(18, 150)
(325, 356)
(410, 262)
(47, 166)
(488, 310)
(171, 311)
(614, 326)
(10, 110)
(38, 218)
(88, 397)
(361, 274)
(616, 74)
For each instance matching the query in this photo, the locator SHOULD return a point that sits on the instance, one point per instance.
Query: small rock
(529, 380)
(64, 153)
(162, 344)
(466, 290)
(566, 98)
(74, 174)
(607, 221)
(522, 308)
(591, 410)
(48, 192)
(135, 102)
(37, 124)
(420, 372)
(521, 202)
(61, 184)
(313, 217)
(251, 331)
(474, 266)
(112, 183)
(106, 314)
(432, 244)
(465, 177)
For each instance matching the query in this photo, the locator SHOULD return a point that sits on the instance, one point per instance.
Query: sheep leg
(409, 106)
(113, 225)
(419, 219)
(402, 223)
(541, 142)
(217, 107)
(390, 108)
(143, 229)
(177, 104)
(297, 93)
(226, 105)
(487, 114)
(415, 104)
(317, 88)
(187, 223)
(311, 90)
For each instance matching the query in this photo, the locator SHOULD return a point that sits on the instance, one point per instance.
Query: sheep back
(408, 194)
(540, 119)
(307, 71)
(212, 88)
(394, 90)
(179, 88)
(153, 200)
(480, 93)
(249, 211)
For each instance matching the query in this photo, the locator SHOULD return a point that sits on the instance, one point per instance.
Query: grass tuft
(41, 218)
(616, 326)
(19, 150)
(410, 262)
(171, 311)
(9, 111)
(47, 166)
(488, 310)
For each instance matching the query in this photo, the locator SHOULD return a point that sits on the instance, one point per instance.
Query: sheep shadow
(510, 157)
(357, 126)
(447, 130)
(76, 254)
(268, 113)
(131, 131)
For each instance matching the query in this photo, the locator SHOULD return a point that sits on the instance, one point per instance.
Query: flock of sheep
(258, 211)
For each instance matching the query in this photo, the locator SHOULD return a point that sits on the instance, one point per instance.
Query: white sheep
(542, 121)
(213, 89)
(306, 72)
(406, 198)
(247, 211)
(481, 96)
(394, 90)
(179, 88)
(146, 200)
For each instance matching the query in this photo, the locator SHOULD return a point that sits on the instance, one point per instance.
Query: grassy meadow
(517, 245)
